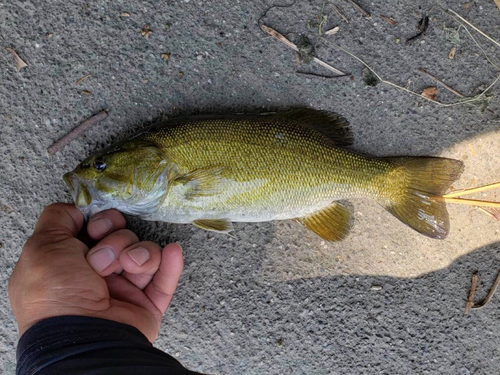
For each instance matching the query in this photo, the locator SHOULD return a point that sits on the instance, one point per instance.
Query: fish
(212, 171)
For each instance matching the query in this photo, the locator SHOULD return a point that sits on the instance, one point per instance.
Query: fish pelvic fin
(215, 225)
(414, 186)
(331, 223)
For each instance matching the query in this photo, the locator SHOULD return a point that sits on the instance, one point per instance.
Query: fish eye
(99, 165)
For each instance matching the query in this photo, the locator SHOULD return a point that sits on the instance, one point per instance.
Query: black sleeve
(92, 346)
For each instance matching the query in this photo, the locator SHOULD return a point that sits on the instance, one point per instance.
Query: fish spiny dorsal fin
(331, 223)
(330, 124)
(216, 225)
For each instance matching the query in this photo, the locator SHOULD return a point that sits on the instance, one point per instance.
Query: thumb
(58, 222)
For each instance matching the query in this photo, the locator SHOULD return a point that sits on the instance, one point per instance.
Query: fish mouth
(80, 193)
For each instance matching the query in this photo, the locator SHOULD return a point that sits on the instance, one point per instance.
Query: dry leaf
(125, 14)
(19, 62)
(451, 55)
(86, 92)
(333, 31)
(146, 31)
(165, 56)
(430, 92)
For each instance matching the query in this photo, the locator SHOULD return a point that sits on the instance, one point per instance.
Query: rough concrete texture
(276, 299)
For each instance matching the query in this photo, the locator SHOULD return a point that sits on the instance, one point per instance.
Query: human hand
(120, 278)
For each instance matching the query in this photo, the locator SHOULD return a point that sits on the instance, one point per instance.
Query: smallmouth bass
(211, 171)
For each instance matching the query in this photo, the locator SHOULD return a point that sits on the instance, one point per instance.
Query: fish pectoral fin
(331, 223)
(202, 182)
(215, 225)
(330, 124)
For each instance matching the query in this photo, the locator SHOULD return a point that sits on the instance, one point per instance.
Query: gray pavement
(276, 299)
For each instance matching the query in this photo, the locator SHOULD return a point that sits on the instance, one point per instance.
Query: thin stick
(293, 46)
(470, 300)
(82, 79)
(358, 7)
(87, 124)
(478, 189)
(441, 83)
(469, 100)
(339, 12)
(474, 27)
(470, 202)
(490, 294)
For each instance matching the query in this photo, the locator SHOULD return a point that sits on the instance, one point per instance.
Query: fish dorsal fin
(330, 124)
(215, 225)
(202, 182)
(331, 223)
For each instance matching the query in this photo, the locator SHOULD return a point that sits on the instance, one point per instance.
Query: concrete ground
(276, 299)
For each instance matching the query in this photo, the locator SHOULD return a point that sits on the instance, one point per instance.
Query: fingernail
(102, 258)
(139, 255)
(101, 226)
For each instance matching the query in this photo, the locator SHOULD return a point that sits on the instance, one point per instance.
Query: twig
(87, 124)
(389, 19)
(470, 300)
(474, 27)
(466, 101)
(291, 45)
(489, 296)
(319, 75)
(459, 193)
(82, 79)
(497, 2)
(441, 83)
(358, 7)
(339, 12)
(470, 202)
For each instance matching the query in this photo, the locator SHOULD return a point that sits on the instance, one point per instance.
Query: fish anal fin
(215, 225)
(331, 223)
(330, 124)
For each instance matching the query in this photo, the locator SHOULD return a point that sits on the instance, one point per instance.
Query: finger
(140, 262)
(58, 222)
(161, 289)
(104, 223)
(104, 257)
(124, 291)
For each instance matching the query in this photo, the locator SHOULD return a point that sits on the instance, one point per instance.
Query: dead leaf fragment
(452, 53)
(19, 62)
(146, 31)
(430, 92)
(333, 31)
(125, 14)
(86, 92)
(165, 56)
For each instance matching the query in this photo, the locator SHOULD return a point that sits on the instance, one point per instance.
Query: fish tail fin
(414, 185)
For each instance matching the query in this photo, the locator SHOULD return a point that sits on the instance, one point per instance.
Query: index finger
(58, 222)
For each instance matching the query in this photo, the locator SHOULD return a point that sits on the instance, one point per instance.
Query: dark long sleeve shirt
(73, 345)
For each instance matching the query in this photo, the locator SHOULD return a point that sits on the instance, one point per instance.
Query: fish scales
(211, 171)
